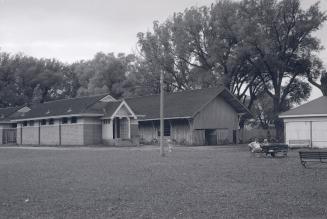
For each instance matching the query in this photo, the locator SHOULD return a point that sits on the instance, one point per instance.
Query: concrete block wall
(49, 135)
(92, 134)
(72, 134)
(1, 133)
(30, 135)
(18, 136)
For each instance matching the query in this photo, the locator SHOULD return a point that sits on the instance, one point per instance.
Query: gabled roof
(64, 107)
(183, 104)
(6, 112)
(316, 107)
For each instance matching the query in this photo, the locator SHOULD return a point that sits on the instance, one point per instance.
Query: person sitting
(255, 146)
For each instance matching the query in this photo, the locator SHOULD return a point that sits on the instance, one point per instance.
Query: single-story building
(198, 117)
(306, 125)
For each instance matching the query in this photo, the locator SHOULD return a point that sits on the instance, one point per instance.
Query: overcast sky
(70, 30)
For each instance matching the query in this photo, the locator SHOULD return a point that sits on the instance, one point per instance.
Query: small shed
(306, 125)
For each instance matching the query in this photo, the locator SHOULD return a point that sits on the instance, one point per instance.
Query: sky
(71, 30)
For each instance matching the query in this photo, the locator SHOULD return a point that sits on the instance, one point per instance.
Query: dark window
(14, 125)
(31, 123)
(73, 120)
(43, 122)
(64, 120)
(25, 123)
(51, 121)
(166, 128)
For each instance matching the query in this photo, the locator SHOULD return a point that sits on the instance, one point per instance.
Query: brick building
(198, 117)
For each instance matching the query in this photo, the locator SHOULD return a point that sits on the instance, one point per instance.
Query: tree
(24, 79)
(280, 45)
(200, 48)
(104, 73)
(317, 70)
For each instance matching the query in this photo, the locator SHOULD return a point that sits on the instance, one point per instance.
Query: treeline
(263, 51)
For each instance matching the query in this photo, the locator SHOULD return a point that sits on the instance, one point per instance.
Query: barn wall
(217, 115)
(180, 131)
(198, 137)
(148, 131)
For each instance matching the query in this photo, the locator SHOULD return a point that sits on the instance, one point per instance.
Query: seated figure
(255, 146)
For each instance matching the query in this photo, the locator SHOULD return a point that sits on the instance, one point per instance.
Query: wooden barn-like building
(198, 117)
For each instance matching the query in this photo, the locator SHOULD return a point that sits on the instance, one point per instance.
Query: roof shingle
(315, 107)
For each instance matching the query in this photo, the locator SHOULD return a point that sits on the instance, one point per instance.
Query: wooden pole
(162, 152)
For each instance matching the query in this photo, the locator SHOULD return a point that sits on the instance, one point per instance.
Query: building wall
(92, 134)
(180, 131)
(107, 129)
(30, 135)
(19, 133)
(313, 129)
(218, 114)
(72, 134)
(49, 134)
(85, 131)
(148, 131)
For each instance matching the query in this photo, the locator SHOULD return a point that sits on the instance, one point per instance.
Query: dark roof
(181, 104)
(6, 112)
(73, 106)
(315, 107)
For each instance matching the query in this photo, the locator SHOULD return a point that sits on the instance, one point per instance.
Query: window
(73, 120)
(13, 125)
(25, 123)
(64, 120)
(166, 128)
(31, 123)
(51, 121)
(43, 122)
(106, 121)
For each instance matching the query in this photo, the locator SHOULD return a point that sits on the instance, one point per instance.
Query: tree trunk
(279, 124)
(323, 86)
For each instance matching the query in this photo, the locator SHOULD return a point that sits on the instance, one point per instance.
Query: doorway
(210, 136)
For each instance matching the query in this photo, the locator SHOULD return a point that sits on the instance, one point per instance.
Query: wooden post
(162, 152)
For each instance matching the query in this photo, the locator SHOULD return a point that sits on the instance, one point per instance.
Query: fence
(9, 136)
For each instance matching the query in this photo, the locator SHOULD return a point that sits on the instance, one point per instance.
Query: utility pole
(162, 152)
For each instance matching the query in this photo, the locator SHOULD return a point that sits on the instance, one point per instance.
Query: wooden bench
(274, 148)
(299, 143)
(313, 156)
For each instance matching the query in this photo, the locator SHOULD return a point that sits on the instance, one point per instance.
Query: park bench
(312, 156)
(274, 148)
(299, 143)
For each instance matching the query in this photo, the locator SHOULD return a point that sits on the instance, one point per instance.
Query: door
(211, 137)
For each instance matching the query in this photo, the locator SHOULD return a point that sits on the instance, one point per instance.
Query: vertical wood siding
(217, 115)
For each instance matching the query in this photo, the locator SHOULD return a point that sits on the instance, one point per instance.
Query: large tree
(25, 79)
(104, 73)
(199, 48)
(281, 47)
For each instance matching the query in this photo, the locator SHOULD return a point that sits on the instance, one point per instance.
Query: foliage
(25, 79)
(104, 73)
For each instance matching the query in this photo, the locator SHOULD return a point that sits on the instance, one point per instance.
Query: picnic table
(274, 148)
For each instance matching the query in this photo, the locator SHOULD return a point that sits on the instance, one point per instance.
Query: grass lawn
(196, 182)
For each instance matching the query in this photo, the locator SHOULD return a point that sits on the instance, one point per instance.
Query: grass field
(197, 182)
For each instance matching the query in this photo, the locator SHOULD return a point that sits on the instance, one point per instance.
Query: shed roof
(72, 106)
(316, 107)
(6, 112)
(184, 104)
